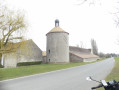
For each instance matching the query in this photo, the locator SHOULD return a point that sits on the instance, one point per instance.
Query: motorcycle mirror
(89, 78)
(104, 82)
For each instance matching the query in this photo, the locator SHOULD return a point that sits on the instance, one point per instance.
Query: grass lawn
(114, 75)
(9, 73)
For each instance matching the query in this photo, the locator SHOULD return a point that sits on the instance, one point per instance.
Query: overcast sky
(83, 22)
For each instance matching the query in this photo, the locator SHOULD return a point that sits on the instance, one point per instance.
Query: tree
(90, 2)
(101, 54)
(94, 47)
(81, 45)
(12, 26)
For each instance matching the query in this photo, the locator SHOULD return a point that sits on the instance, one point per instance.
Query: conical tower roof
(57, 29)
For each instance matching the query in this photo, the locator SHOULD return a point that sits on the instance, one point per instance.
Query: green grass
(9, 73)
(114, 75)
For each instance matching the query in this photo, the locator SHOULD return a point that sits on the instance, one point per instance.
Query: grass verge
(114, 75)
(9, 73)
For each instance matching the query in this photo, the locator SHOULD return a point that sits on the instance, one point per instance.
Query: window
(49, 51)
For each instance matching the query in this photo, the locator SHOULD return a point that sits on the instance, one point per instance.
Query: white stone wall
(2, 60)
(90, 59)
(10, 60)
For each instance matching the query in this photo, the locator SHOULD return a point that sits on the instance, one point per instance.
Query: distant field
(9, 73)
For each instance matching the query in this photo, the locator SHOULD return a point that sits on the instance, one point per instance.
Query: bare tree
(81, 45)
(90, 2)
(77, 45)
(12, 26)
(94, 47)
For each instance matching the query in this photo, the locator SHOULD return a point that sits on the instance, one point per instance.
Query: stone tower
(57, 45)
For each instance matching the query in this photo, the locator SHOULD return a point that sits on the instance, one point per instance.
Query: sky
(83, 22)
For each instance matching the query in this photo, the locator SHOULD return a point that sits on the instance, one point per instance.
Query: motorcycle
(111, 85)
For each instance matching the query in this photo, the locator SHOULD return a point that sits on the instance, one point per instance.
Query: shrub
(1, 66)
(29, 63)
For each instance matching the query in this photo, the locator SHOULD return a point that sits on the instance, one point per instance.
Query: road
(67, 79)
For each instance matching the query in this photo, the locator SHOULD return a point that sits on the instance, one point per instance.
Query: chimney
(56, 23)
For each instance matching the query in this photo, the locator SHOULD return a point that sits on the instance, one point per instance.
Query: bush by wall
(1, 66)
(28, 63)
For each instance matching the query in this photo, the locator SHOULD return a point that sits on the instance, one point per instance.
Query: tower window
(49, 60)
(49, 51)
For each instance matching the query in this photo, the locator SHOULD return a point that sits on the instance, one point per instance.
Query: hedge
(28, 63)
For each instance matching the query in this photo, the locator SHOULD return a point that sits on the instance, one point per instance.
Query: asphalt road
(67, 79)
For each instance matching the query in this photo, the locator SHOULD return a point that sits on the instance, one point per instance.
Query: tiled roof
(10, 47)
(79, 50)
(56, 29)
(85, 55)
(13, 47)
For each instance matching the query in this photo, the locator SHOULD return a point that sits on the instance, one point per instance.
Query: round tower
(57, 45)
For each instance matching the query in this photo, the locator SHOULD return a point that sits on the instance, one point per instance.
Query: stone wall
(44, 60)
(57, 48)
(90, 59)
(74, 58)
(29, 52)
(10, 60)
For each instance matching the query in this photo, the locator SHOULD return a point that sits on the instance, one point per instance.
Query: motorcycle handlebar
(97, 86)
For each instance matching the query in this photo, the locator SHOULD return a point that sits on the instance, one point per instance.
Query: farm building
(81, 55)
(26, 51)
(57, 50)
